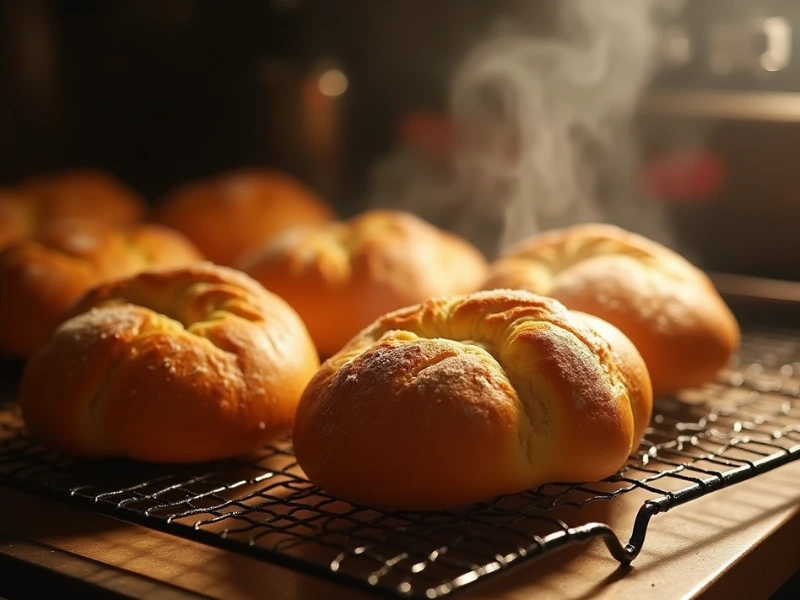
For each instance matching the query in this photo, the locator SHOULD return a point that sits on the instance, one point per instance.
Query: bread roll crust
(85, 193)
(459, 399)
(16, 218)
(175, 365)
(360, 269)
(666, 306)
(41, 278)
(633, 370)
(233, 212)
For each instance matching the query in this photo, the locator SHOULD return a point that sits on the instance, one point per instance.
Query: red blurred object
(431, 134)
(685, 177)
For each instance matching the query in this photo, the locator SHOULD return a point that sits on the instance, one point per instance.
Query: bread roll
(667, 307)
(460, 399)
(231, 213)
(42, 277)
(89, 194)
(340, 276)
(176, 365)
(633, 370)
(16, 217)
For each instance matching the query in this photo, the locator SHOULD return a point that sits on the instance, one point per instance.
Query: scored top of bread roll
(228, 214)
(40, 278)
(340, 276)
(177, 365)
(665, 305)
(460, 399)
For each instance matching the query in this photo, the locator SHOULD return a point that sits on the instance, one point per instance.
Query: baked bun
(666, 306)
(89, 194)
(460, 399)
(340, 276)
(633, 369)
(231, 213)
(16, 217)
(177, 365)
(41, 278)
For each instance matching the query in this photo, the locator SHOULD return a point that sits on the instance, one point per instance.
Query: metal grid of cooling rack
(745, 423)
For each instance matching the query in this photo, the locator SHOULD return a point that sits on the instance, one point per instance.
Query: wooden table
(740, 542)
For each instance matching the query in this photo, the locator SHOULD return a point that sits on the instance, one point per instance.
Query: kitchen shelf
(723, 105)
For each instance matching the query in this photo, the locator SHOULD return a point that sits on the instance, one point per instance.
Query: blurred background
(678, 119)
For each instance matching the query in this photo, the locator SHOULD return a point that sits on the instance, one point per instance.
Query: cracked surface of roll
(460, 399)
(665, 305)
(175, 365)
(360, 269)
(41, 278)
(230, 213)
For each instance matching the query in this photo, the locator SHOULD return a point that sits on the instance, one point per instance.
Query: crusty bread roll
(89, 194)
(40, 278)
(175, 365)
(458, 399)
(340, 276)
(233, 212)
(665, 305)
(633, 369)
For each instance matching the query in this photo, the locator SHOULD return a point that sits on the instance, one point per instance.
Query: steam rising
(545, 126)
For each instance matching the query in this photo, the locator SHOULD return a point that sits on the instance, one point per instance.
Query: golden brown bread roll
(459, 399)
(89, 194)
(340, 276)
(666, 306)
(231, 213)
(80, 194)
(176, 365)
(40, 278)
(633, 369)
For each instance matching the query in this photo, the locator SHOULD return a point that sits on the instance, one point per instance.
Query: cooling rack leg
(590, 531)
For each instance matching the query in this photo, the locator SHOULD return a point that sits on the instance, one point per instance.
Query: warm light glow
(332, 83)
(677, 46)
(778, 33)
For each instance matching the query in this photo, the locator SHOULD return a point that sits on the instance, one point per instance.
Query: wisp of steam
(545, 127)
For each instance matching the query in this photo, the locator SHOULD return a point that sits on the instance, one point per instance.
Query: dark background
(162, 91)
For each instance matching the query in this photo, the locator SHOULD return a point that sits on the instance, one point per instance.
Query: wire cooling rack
(745, 423)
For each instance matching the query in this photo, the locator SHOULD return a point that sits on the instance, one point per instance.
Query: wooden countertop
(743, 541)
